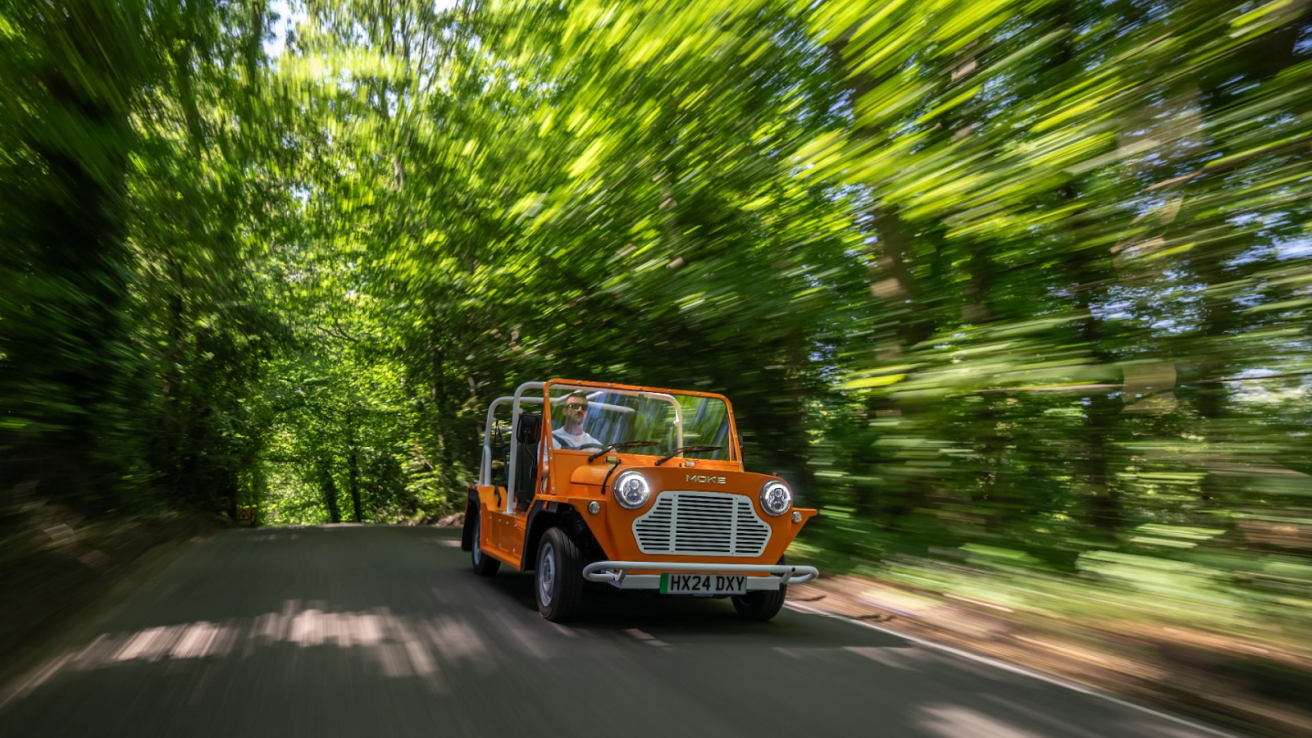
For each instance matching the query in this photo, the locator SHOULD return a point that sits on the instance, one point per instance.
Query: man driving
(572, 437)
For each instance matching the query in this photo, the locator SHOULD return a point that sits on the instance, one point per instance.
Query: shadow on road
(691, 621)
(386, 631)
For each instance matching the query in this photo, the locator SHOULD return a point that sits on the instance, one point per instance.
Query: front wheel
(558, 580)
(484, 565)
(762, 604)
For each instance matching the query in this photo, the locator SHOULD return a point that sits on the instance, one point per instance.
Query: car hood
(677, 478)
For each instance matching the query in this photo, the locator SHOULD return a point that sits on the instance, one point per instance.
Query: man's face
(576, 408)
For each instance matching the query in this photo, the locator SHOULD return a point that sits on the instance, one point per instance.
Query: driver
(572, 437)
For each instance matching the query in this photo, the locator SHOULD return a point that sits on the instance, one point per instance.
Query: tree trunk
(328, 488)
(63, 312)
(1257, 64)
(353, 477)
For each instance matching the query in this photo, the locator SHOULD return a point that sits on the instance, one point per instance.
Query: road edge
(1023, 671)
(24, 667)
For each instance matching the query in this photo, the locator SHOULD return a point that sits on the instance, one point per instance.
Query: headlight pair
(632, 490)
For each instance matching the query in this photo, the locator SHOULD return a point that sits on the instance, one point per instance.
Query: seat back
(528, 433)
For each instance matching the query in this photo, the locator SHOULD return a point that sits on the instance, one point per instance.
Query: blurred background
(1017, 293)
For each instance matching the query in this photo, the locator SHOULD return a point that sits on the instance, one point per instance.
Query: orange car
(632, 487)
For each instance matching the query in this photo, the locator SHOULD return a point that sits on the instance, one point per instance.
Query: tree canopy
(978, 276)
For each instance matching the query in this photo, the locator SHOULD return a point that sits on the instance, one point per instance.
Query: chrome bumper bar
(617, 573)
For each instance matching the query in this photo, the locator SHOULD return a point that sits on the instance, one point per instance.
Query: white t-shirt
(561, 438)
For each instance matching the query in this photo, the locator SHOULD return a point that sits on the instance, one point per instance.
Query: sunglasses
(575, 406)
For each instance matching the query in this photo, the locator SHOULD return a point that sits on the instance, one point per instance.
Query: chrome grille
(701, 524)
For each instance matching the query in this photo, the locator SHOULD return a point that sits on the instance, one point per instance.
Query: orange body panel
(613, 524)
(567, 477)
(502, 533)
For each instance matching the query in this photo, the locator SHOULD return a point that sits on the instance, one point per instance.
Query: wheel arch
(471, 512)
(542, 516)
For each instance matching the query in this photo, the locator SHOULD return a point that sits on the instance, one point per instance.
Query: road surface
(348, 630)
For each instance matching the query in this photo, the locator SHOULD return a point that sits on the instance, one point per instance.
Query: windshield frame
(656, 393)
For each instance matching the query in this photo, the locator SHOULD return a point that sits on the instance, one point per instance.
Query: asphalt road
(385, 631)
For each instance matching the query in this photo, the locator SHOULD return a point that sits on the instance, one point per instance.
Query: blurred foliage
(1019, 286)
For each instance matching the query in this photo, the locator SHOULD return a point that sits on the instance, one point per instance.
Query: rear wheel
(484, 565)
(762, 604)
(558, 580)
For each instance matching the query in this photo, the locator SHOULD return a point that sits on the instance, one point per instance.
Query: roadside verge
(54, 576)
(1238, 683)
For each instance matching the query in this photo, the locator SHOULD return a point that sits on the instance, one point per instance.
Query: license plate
(704, 584)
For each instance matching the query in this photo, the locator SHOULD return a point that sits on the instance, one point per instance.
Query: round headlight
(776, 498)
(632, 489)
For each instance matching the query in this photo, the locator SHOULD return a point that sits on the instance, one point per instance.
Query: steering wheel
(586, 446)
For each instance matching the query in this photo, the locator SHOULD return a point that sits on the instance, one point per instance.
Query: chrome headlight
(776, 497)
(632, 489)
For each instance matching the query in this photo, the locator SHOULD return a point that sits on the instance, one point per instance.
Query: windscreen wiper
(686, 449)
(624, 444)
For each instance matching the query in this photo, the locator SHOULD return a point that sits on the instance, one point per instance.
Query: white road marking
(1013, 668)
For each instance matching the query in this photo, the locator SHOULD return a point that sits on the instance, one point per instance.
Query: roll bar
(485, 468)
(519, 398)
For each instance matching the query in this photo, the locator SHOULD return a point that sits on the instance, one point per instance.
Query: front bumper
(618, 573)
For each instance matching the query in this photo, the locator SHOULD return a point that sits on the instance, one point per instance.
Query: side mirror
(529, 430)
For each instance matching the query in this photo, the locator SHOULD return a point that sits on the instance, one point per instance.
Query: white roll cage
(519, 398)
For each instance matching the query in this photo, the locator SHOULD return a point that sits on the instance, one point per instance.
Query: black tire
(558, 579)
(467, 528)
(762, 604)
(484, 565)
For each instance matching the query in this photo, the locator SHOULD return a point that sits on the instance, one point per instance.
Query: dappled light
(390, 645)
(452, 646)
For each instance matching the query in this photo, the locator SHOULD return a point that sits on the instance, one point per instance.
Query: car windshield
(589, 419)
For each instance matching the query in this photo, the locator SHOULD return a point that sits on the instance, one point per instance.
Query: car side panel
(502, 534)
